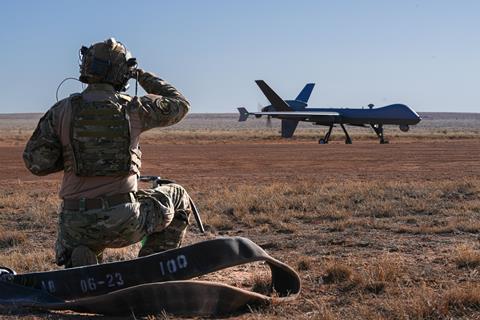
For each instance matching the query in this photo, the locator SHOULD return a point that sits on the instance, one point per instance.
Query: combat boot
(82, 256)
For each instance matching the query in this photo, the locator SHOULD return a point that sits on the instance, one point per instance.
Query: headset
(95, 69)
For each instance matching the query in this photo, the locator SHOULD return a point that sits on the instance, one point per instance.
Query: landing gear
(378, 128)
(325, 139)
(348, 140)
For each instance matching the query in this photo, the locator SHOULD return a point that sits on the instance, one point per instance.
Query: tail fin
(243, 114)
(304, 95)
(278, 103)
(288, 127)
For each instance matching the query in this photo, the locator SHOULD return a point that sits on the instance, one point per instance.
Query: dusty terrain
(375, 231)
(203, 164)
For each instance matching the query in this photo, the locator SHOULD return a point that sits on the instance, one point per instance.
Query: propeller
(269, 121)
(264, 109)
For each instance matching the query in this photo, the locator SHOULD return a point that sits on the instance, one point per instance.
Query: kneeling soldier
(94, 138)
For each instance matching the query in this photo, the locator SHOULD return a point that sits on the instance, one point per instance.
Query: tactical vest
(100, 140)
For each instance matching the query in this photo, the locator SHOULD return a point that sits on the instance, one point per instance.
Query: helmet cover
(106, 62)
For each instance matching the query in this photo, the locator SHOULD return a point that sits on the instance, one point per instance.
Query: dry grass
(389, 270)
(343, 238)
(337, 272)
(460, 302)
(11, 238)
(372, 277)
(435, 208)
(419, 303)
(467, 257)
(262, 284)
(462, 299)
(120, 254)
(34, 207)
(22, 260)
(305, 263)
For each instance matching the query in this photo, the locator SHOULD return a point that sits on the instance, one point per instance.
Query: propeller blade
(269, 122)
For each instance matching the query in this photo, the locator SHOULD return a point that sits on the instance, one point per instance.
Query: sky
(423, 53)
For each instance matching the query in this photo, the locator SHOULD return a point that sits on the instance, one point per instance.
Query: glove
(135, 105)
(137, 72)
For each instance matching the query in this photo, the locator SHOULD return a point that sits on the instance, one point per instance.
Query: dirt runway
(292, 161)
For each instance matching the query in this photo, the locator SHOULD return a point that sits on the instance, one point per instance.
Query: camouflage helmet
(106, 62)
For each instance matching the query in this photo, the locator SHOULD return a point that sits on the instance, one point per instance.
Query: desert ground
(375, 231)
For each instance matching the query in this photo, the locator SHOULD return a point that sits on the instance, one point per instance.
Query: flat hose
(153, 284)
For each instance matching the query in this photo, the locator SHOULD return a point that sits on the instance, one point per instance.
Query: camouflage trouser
(162, 214)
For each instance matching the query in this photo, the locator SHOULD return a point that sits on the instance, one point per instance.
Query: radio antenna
(136, 83)
(58, 88)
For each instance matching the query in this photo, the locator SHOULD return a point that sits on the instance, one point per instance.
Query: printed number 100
(173, 265)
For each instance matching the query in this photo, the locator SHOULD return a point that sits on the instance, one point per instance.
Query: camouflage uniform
(122, 225)
(162, 214)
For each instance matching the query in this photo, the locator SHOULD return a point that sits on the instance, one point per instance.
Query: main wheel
(322, 141)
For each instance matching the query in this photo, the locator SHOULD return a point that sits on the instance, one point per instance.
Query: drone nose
(416, 116)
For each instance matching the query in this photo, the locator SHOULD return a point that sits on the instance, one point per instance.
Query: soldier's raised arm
(43, 153)
(162, 106)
